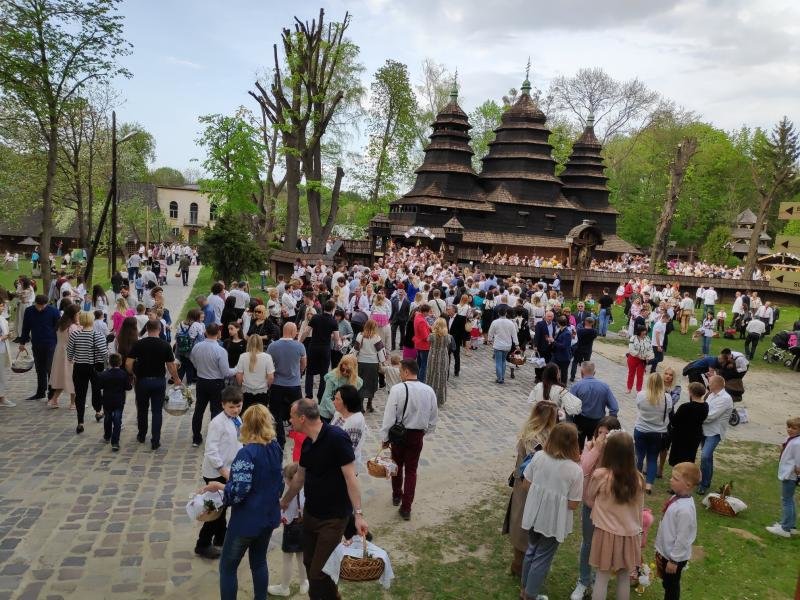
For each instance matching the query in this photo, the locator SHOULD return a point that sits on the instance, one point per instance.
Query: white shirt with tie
(222, 445)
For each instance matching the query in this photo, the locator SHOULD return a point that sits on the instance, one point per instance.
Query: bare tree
(774, 168)
(615, 105)
(677, 171)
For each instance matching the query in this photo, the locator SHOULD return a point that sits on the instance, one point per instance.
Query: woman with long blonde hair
(654, 406)
(255, 372)
(253, 493)
(532, 438)
(371, 353)
(439, 359)
(345, 373)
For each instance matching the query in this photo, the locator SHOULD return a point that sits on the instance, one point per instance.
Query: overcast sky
(733, 62)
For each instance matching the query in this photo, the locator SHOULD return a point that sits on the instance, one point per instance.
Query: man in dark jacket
(455, 325)
(399, 319)
(544, 336)
(583, 349)
(39, 325)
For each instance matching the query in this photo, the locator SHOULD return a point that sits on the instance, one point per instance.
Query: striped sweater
(87, 347)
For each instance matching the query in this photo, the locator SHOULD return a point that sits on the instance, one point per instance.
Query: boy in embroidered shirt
(789, 474)
(222, 444)
(678, 529)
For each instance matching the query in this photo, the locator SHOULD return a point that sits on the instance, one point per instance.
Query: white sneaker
(578, 592)
(779, 531)
(7, 402)
(791, 531)
(304, 587)
(279, 590)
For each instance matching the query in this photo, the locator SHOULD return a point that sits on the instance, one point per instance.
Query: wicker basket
(365, 568)
(179, 401)
(517, 358)
(24, 364)
(720, 505)
(377, 467)
(211, 515)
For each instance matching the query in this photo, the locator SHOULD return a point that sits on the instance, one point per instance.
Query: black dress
(687, 431)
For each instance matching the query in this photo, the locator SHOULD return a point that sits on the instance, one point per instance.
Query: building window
(213, 212)
(176, 232)
(193, 213)
(173, 210)
(522, 222)
(549, 222)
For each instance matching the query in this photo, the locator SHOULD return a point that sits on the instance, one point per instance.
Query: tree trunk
(765, 202)
(677, 171)
(292, 198)
(47, 205)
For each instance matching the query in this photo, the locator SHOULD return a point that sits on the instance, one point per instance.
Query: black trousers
(586, 427)
(280, 401)
(208, 393)
(42, 362)
(185, 279)
(320, 538)
(456, 359)
(750, 343)
(251, 399)
(401, 325)
(672, 583)
(82, 377)
(319, 362)
(577, 358)
(213, 531)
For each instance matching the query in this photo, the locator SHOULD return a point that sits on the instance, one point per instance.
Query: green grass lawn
(735, 558)
(100, 273)
(683, 347)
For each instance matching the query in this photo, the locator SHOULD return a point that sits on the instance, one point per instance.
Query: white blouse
(554, 481)
(354, 426)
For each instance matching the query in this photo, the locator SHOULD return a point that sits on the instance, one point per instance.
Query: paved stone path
(80, 522)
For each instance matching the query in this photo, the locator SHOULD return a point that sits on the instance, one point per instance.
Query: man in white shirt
(755, 330)
(709, 299)
(242, 298)
(358, 300)
(698, 296)
(720, 406)
(412, 404)
(288, 303)
(503, 335)
(216, 300)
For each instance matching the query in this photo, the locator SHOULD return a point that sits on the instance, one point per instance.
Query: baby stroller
(779, 351)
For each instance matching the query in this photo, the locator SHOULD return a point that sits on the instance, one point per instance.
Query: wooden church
(516, 204)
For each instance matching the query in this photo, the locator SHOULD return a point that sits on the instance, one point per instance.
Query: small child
(141, 318)
(291, 544)
(99, 324)
(222, 445)
(789, 474)
(677, 530)
(722, 316)
(139, 285)
(113, 383)
(392, 372)
(86, 305)
(475, 330)
(616, 493)
(555, 481)
(164, 335)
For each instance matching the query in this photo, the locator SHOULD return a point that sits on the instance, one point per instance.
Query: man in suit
(581, 314)
(544, 336)
(400, 310)
(455, 325)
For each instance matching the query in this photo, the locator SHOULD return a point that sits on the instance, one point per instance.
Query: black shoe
(512, 373)
(140, 438)
(405, 514)
(98, 417)
(701, 491)
(115, 447)
(456, 374)
(35, 397)
(79, 429)
(369, 536)
(208, 552)
(106, 440)
(196, 444)
(396, 501)
(155, 446)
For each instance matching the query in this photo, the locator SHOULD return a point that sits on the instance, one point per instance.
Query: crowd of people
(626, 263)
(308, 360)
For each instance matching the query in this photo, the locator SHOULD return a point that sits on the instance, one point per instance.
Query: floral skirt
(614, 552)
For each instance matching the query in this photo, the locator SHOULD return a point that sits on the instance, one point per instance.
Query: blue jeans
(648, 444)
(587, 530)
(537, 561)
(232, 553)
(112, 424)
(789, 517)
(604, 317)
(422, 361)
(657, 358)
(500, 364)
(710, 444)
(706, 345)
(150, 392)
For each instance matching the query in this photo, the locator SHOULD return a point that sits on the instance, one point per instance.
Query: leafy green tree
(714, 250)
(50, 50)
(230, 248)
(484, 120)
(392, 126)
(167, 176)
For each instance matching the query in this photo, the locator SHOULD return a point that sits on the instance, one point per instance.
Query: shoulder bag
(397, 432)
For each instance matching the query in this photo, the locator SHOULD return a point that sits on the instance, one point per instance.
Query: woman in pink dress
(61, 371)
(120, 314)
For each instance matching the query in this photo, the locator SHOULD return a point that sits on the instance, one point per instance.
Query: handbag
(397, 432)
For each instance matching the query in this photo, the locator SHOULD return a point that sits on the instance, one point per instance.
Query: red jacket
(421, 332)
